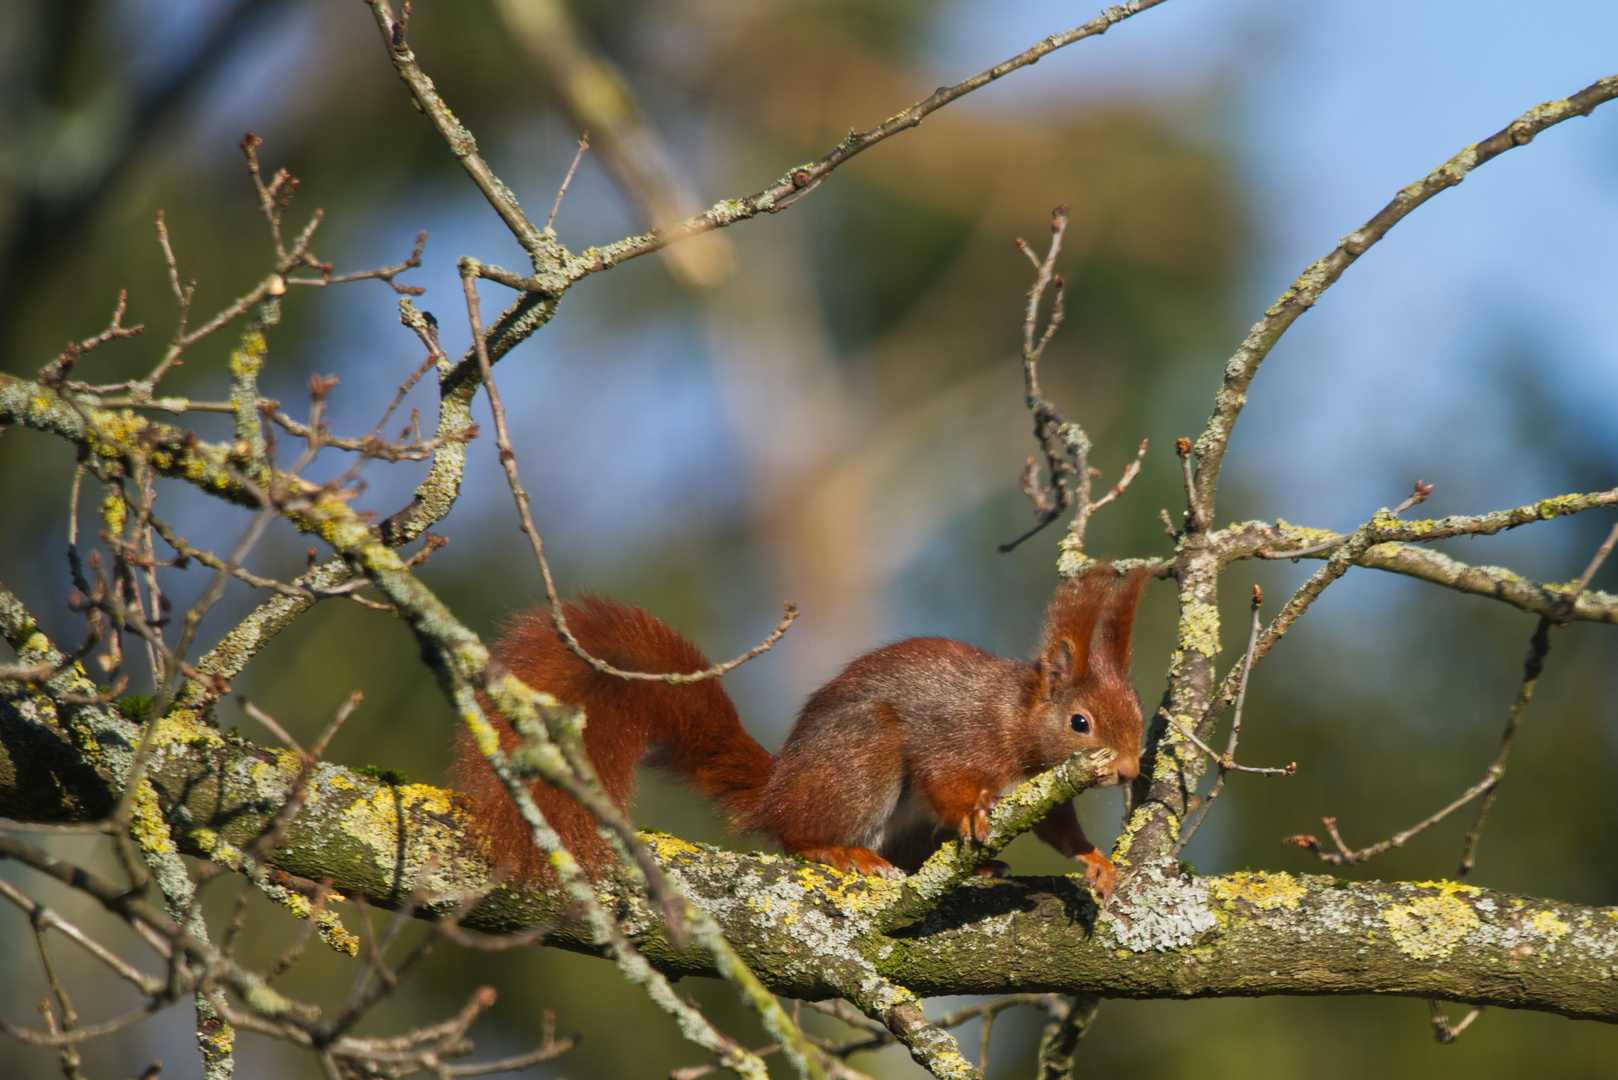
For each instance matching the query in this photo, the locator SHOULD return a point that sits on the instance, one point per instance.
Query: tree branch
(811, 932)
(1319, 277)
(780, 194)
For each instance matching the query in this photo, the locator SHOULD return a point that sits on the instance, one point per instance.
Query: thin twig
(67, 1053)
(508, 460)
(1538, 646)
(1418, 495)
(1065, 445)
(1306, 291)
(1131, 471)
(1446, 1032)
(1346, 856)
(44, 916)
(584, 144)
(1533, 666)
(1590, 571)
(1194, 519)
(455, 134)
(1226, 762)
(779, 194)
(381, 273)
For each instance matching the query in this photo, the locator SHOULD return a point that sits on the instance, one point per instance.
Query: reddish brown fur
(908, 746)
(693, 729)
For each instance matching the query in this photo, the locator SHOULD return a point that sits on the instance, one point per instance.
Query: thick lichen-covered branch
(1249, 539)
(810, 931)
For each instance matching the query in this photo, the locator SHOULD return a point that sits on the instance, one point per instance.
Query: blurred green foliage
(900, 288)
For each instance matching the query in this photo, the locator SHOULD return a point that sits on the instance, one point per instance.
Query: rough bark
(809, 931)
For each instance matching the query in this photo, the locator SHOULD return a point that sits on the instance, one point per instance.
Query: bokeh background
(825, 406)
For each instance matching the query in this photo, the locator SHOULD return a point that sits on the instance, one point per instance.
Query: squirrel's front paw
(975, 825)
(1100, 874)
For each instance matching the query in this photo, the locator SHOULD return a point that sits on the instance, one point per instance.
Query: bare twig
(1533, 666)
(1195, 521)
(774, 197)
(1065, 445)
(1226, 762)
(56, 371)
(584, 144)
(1446, 1032)
(1346, 856)
(1313, 282)
(1131, 471)
(381, 273)
(456, 136)
(44, 917)
(1417, 496)
(1538, 646)
(67, 1053)
(508, 460)
(1590, 570)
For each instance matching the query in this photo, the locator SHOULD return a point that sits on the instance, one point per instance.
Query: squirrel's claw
(975, 825)
(1100, 874)
(853, 860)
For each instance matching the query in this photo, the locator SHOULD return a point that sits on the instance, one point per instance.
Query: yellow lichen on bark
(1259, 888)
(1429, 927)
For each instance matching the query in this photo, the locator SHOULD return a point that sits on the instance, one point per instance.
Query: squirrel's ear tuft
(1119, 623)
(1055, 668)
(1070, 623)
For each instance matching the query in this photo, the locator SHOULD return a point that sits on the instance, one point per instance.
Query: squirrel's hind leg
(851, 860)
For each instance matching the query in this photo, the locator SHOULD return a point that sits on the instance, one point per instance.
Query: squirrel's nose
(1127, 768)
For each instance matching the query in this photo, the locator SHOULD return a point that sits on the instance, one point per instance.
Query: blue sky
(1332, 107)
(1329, 108)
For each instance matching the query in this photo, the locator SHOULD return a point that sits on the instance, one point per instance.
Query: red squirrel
(909, 746)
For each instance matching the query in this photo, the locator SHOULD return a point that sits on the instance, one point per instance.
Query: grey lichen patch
(1430, 927)
(814, 919)
(883, 994)
(1161, 911)
(1071, 560)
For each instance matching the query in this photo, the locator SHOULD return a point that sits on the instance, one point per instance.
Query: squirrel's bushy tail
(692, 729)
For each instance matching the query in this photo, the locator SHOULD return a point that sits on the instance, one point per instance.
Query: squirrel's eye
(1080, 722)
